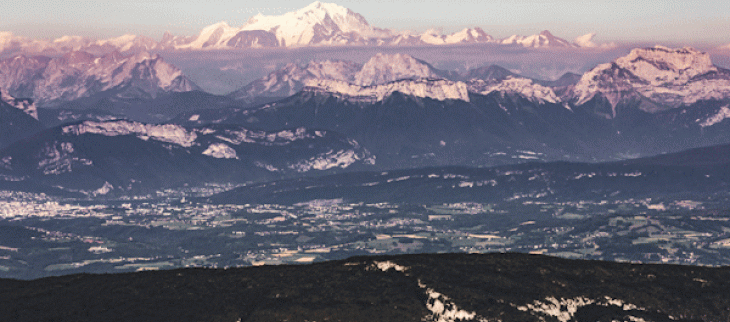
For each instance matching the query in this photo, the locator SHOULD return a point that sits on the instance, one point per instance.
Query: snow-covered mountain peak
(320, 9)
(468, 35)
(543, 39)
(660, 65)
(317, 23)
(384, 68)
(668, 77)
(437, 89)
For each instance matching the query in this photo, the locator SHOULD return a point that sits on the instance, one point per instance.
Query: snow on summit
(661, 65)
(664, 75)
(316, 23)
(543, 39)
(435, 89)
(383, 68)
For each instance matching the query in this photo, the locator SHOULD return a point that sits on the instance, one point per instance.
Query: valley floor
(46, 236)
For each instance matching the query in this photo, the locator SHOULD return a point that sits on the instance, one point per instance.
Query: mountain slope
(51, 81)
(661, 78)
(122, 157)
(292, 78)
(680, 174)
(18, 119)
(425, 287)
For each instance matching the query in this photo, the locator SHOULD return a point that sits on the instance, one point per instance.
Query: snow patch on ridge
(721, 115)
(517, 85)
(435, 89)
(24, 105)
(280, 138)
(329, 160)
(169, 133)
(564, 309)
(443, 309)
(387, 265)
(57, 158)
(220, 151)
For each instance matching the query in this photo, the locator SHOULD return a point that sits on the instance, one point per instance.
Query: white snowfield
(220, 151)
(666, 76)
(169, 133)
(435, 89)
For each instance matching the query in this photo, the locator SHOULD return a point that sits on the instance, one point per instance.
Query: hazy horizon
(666, 21)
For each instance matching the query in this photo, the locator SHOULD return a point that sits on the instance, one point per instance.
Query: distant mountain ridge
(318, 24)
(78, 74)
(383, 69)
(660, 78)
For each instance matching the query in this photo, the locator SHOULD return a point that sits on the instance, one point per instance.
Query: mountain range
(411, 114)
(397, 111)
(78, 74)
(318, 24)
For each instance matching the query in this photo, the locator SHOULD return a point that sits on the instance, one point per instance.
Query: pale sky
(662, 21)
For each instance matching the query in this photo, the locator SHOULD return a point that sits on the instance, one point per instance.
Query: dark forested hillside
(444, 287)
